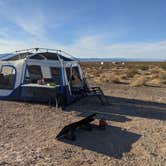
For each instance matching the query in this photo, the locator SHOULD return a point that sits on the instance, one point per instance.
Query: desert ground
(136, 117)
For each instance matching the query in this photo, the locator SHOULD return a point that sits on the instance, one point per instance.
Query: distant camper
(118, 63)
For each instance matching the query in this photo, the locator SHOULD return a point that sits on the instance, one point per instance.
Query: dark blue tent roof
(47, 55)
(50, 54)
(6, 56)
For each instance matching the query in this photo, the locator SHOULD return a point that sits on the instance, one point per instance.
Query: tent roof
(6, 56)
(37, 53)
(39, 56)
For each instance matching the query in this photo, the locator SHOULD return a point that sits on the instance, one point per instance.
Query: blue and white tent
(37, 74)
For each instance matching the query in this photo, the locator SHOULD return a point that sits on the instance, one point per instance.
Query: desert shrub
(144, 67)
(110, 78)
(104, 79)
(152, 76)
(155, 70)
(131, 72)
(115, 78)
(155, 81)
(124, 76)
(162, 76)
(138, 81)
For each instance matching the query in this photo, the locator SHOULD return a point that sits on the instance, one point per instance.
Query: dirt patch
(135, 134)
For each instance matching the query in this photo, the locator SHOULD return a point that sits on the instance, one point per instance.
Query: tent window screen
(75, 78)
(68, 73)
(34, 73)
(55, 73)
(7, 77)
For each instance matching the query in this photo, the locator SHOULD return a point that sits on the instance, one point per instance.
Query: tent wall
(19, 67)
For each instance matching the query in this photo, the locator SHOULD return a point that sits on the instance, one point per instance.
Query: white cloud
(92, 46)
(34, 26)
(35, 23)
(32, 21)
(140, 49)
(32, 18)
(10, 45)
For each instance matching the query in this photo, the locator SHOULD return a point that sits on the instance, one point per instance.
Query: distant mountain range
(121, 60)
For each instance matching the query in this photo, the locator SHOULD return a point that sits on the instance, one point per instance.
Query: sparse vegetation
(135, 134)
(138, 80)
(162, 76)
(133, 73)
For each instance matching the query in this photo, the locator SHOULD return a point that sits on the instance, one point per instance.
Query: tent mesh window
(37, 56)
(7, 77)
(35, 73)
(73, 76)
(68, 73)
(76, 79)
(55, 73)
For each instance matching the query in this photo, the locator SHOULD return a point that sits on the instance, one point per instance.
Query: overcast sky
(86, 28)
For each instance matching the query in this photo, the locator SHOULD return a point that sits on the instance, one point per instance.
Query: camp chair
(95, 91)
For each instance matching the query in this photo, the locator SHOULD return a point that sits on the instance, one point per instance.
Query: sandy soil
(135, 135)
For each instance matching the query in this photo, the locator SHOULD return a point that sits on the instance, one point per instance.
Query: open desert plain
(135, 134)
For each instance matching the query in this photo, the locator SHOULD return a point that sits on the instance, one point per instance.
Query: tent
(40, 74)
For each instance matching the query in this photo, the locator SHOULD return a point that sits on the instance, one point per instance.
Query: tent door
(74, 79)
(7, 79)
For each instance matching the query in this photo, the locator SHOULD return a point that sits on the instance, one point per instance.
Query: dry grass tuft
(110, 78)
(162, 76)
(132, 72)
(155, 81)
(115, 78)
(135, 74)
(138, 81)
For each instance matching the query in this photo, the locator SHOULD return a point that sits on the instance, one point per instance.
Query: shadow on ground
(119, 108)
(112, 142)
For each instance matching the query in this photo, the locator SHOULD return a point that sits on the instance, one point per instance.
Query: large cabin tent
(22, 71)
